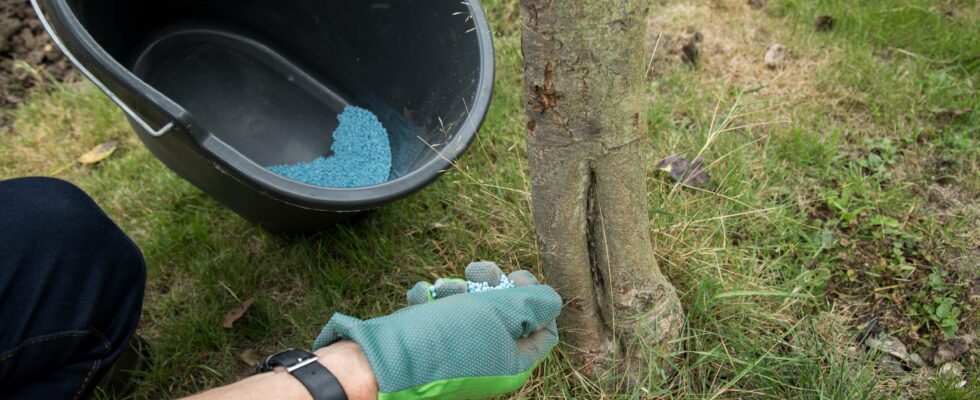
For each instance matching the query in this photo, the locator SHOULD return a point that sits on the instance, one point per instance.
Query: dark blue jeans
(71, 289)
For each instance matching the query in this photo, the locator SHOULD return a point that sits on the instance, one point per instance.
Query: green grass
(859, 191)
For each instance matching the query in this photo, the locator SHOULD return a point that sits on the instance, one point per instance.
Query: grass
(844, 187)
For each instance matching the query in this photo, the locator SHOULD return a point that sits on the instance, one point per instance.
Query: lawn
(843, 202)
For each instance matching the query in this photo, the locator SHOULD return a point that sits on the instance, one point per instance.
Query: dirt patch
(27, 57)
(951, 201)
(732, 38)
(870, 282)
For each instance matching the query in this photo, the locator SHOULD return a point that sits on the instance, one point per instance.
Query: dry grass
(735, 39)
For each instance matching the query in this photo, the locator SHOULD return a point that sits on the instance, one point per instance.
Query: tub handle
(156, 132)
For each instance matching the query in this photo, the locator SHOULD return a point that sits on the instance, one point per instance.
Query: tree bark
(584, 79)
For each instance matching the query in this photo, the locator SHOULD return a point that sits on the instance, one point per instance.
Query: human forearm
(344, 359)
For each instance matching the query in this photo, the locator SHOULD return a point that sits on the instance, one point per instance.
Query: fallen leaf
(236, 312)
(954, 348)
(98, 153)
(951, 369)
(824, 23)
(691, 52)
(916, 360)
(250, 357)
(758, 4)
(681, 170)
(890, 345)
(775, 55)
(944, 117)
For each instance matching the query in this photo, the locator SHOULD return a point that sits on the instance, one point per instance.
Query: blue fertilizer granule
(476, 287)
(361, 154)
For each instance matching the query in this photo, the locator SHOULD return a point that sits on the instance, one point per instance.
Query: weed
(881, 154)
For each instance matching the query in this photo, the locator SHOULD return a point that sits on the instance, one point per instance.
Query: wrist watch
(303, 365)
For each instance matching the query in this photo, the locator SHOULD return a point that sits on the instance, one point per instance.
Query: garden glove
(454, 344)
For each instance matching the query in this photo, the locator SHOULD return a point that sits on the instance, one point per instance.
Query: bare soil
(28, 57)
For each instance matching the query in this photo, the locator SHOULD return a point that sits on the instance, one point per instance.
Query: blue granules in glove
(476, 287)
(361, 154)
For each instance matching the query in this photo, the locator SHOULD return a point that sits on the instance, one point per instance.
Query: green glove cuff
(474, 387)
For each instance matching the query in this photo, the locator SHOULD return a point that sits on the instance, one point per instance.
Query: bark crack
(596, 260)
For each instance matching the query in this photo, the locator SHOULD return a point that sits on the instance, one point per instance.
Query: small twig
(231, 292)
(924, 58)
(62, 168)
(653, 55)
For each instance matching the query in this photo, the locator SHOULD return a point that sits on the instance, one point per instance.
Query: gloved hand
(456, 345)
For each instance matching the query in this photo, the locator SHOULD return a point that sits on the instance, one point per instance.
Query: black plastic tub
(218, 90)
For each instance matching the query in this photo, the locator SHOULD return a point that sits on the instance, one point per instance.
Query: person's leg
(71, 290)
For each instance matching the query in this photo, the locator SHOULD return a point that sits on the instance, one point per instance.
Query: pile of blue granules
(477, 287)
(361, 154)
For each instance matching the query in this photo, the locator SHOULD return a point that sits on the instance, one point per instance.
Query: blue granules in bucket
(361, 154)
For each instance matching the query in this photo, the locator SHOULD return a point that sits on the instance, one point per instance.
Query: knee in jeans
(53, 210)
(87, 227)
(54, 201)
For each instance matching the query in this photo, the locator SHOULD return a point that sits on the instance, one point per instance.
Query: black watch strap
(305, 367)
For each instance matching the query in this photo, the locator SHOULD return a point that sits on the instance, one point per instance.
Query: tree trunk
(584, 80)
